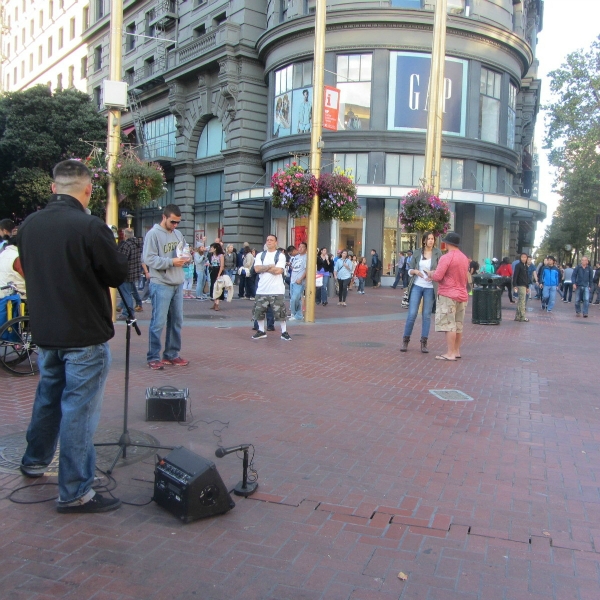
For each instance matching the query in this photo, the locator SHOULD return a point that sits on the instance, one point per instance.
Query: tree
(37, 130)
(573, 138)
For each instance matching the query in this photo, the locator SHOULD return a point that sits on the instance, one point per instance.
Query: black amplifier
(190, 486)
(166, 403)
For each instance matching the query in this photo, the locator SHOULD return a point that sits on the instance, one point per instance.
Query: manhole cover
(308, 425)
(12, 448)
(204, 317)
(451, 395)
(528, 360)
(363, 344)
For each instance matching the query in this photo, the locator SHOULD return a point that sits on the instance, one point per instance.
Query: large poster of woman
(281, 122)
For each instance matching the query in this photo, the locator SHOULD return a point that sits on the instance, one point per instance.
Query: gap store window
(512, 116)
(408, 170)
(160, 137)
(281, 163)
(489, 106)
(212, 139)
(487, 178)
(354, 82)
(394, 239)
(357, 164)
(483, 246)
(350, 234)
(292, 108)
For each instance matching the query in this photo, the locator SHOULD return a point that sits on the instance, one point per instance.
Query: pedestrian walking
(568, 283)
(68, 275)
(520, 282)
(297, 282)
(200, 262)
(342, 273)
(549, 284)
(362, 269)
(376, 268)
(506, 270)
(399, 270)
(583, 279)
(325, 269)
(423, 289)
(217, 266)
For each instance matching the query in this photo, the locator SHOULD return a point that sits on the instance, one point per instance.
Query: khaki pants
(521, 302)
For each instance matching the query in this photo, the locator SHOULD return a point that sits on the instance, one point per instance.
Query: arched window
(212, 139)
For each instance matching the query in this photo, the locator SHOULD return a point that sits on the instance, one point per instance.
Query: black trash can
(487, 295)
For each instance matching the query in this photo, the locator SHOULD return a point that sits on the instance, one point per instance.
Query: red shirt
(451, 275)
(361, 270)
(505, 270)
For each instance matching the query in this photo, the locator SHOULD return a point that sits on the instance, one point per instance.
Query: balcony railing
(165, 13)
(226, 33)
(151, 72)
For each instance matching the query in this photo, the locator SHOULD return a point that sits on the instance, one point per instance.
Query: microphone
(221, 452)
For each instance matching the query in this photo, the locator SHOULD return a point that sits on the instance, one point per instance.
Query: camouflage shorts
(277, 303)
(449, 314)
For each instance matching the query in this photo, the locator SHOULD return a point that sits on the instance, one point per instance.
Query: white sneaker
(292, 318)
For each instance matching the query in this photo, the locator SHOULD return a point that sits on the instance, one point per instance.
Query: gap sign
(409, 93)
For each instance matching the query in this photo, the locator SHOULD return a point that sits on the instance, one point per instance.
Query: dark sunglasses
(174, 222)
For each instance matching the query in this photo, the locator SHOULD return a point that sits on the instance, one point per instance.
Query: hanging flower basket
(96, 163)
(138, 182)
(422, 211)
(293, 190)
(337, 196)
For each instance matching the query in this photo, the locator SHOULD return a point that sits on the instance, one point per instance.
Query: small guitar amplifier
(166, 403)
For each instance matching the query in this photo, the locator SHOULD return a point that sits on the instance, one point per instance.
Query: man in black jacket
(70, 260)
(520, 280)
(582, 286)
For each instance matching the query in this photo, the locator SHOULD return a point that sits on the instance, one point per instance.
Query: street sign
(331, 107)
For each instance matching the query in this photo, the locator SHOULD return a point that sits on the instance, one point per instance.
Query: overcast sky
(568, 26)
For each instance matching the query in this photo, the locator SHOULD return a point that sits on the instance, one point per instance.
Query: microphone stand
(125, 439)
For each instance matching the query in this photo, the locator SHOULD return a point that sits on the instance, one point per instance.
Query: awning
(128, 130)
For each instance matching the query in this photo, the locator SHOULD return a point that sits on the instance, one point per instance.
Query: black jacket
(322, 264)
(521, 275)
(582, 277)
(70, 260)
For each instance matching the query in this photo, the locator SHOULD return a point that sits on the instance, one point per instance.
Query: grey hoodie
(160, 248)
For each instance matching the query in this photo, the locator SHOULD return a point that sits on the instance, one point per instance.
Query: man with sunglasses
(165, 264)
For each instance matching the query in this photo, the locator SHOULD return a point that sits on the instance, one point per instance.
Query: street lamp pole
(316, 145)
(435, 114)
(114, 120)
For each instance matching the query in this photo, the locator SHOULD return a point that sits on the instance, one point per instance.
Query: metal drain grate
(451, 395)
(363, 344)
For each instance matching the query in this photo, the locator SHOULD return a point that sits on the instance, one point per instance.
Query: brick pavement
(363, 473)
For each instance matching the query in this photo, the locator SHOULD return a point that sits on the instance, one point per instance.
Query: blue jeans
(582, 295)
(296, 291)
(321, 293)
(398, 277)
(167, 309)
(200, 280)
(567, 290)
(549, 296)
(417, 292)
(126, 288)
(361, 284)
(67, 405)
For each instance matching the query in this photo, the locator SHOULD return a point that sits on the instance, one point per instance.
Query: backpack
(262, 260)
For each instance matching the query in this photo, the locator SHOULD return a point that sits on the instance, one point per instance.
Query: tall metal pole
(435, 115)
(315, 157)
(114, 120)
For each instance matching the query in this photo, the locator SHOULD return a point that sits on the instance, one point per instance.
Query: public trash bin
(487, 294)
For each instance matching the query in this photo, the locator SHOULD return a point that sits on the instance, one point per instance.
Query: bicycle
(18, 354)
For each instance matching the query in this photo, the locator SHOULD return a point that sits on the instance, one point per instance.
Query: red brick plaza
(363, 473)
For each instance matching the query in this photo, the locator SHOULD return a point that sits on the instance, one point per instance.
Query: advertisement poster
(302, 102)
(283, 114)
(409, 90)
(331, 108)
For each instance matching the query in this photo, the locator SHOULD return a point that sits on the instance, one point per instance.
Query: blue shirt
(343, 268)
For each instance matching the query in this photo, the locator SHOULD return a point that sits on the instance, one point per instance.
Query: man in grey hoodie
(165, 264)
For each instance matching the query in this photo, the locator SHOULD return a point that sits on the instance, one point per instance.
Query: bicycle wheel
(18, 355)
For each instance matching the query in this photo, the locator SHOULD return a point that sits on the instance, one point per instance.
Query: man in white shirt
(270, 291)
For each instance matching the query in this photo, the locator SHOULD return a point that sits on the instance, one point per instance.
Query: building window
(8, 50)
(150, 29)
(40, 55)
(97, 58)
(160, 137)
(85, 18)
(41, 19)
(512, 115)
(284, 163)
(16, 43)
(354, 81)
(489, 106)
(7, 80)
(487, 178)
(129, 74)
(51, 9)
(31, 62)
(200, 30)
(71, 76)
(15, 75)
(59, 82)
(357, 164)
(22, 69)
(209, 188)
(84, 65)
(72, 28)
(219, 19)
(23, 36)
(98, 97)
(283, 8)
(99, 9)
(61, 38)
(452, 174)
(293, 99)
(49, 46)
(212, 139)
(414, 4)
(404, 169)
(130, 37)
(61, 4)
(31, 28)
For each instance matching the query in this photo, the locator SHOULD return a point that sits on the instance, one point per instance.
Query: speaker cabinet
(166, 404)
(190, 486)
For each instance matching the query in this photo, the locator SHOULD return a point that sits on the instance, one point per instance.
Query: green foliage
(337, 196)
(37, 130)
(573, 137)
(138, 182)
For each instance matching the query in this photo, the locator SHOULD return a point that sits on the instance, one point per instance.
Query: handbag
(407, 291)
(142, 282)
